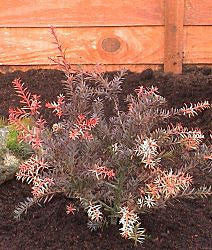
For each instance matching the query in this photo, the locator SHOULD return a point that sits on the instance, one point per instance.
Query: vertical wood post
(174, 21)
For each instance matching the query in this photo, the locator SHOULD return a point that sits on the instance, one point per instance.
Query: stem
(113, 216)
(118, 197)
(105, 205)
(118, 113)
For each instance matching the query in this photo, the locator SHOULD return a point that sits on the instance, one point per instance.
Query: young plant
(3, 122)
(12, 152)
(11, 142)
(121, 166)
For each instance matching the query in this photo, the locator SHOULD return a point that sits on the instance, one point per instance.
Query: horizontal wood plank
(131, 67)
(106, 45)
(138, 45)
(198, 12)
(68, 13)
(197, 44)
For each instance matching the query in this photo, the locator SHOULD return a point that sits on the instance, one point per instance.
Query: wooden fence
(135, 34)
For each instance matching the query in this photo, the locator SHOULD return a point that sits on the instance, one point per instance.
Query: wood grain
(138, 45)
(197, 44)
(76, 13)
(198, 12)
(173, 53)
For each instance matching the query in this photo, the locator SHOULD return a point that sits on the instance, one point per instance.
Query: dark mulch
(185, 225)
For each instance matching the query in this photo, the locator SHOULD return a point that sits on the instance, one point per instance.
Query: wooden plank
(106, 45)
(198, 12)
(173, 54)
(68, 13)
(131, 67)
(197, 44)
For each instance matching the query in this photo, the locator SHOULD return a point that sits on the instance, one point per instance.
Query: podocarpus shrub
(115, 169)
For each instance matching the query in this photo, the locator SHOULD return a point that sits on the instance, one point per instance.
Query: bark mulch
(182, 225)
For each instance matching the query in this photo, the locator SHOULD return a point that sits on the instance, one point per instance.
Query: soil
(182, 225)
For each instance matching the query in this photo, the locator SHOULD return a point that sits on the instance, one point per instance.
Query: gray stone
(8, 162)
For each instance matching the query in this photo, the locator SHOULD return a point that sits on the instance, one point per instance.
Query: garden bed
(184, 225)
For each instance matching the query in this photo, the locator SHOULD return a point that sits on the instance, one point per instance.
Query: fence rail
(134, 34)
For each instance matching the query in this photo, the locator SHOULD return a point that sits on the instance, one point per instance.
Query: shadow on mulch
(184, 225)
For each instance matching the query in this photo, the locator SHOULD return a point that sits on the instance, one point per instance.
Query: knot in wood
(111, 44)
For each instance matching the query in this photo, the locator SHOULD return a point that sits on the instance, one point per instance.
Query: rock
(8, 167)
(3, 134)
(8, 162)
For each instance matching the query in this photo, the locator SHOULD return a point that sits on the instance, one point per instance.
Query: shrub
(116, 168)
